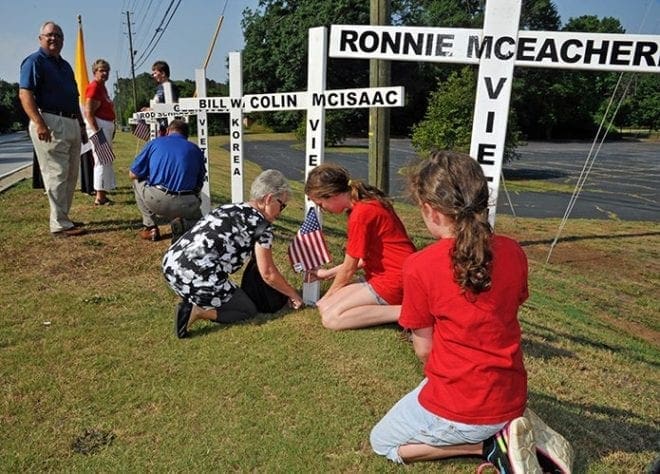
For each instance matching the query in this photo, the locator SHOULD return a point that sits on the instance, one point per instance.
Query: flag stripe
(308, 249)
(102, 148)
(142, 131)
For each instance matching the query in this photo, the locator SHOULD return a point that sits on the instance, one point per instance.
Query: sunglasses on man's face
(282, 204)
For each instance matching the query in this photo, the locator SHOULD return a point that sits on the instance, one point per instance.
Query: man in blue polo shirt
(49, 96)
(168, 175)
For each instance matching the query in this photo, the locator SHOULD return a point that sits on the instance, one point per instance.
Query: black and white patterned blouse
(198, 265)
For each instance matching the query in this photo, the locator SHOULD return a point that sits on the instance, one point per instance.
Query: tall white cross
(497, 49)
(315, 101)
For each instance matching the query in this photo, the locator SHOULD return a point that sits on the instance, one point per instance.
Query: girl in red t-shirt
(377, 243)
(461, 300)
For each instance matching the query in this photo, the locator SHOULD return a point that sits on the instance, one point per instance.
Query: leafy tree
(12, 116)
(419, 78)
(448, 120)
(145, 88)
(275, 57)
(447, 123)
(579, 96)
(645, 102)
(641, 107)
(532, 87)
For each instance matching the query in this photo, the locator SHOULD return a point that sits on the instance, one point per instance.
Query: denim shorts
(376, 296)
(408, 422)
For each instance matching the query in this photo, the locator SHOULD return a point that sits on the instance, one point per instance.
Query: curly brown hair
(454, 184)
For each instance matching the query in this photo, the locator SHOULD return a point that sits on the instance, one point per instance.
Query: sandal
(105, 202)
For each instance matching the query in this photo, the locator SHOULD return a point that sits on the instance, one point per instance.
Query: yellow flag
(81, 64)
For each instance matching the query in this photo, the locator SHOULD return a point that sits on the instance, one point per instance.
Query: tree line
(545, 104)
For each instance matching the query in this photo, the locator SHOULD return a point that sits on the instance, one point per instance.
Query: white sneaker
(550, 444)
(512, 450)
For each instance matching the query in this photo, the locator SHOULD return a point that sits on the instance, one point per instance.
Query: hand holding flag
(102, 148)
(308, 249)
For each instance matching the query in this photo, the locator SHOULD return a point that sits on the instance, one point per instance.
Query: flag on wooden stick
(142, 131)
(102, 148)
(308, 249)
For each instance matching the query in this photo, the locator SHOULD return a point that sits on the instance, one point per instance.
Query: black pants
(239, 308)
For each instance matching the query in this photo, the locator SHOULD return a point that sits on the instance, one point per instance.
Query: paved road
(622, 183)
(15, 152)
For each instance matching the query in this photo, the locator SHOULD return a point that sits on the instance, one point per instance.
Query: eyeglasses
(282, 204)
(53, 35)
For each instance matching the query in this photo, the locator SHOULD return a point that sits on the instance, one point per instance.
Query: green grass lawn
(93, 379)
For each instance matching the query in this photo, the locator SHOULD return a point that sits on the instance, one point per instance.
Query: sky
(186, 40)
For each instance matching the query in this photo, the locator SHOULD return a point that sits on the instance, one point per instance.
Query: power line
(142, 32)
(156, 31)
(159, 32)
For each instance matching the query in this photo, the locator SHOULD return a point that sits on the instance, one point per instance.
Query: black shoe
(181, 318)
(178, 226)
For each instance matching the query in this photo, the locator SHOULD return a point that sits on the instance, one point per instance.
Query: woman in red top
(100, 116)
(377, 243)
(461, 300)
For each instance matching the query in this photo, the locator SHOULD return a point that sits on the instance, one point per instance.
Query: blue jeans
(408, 422)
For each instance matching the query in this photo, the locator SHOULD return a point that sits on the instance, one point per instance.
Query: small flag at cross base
(142, 131)
(308, 249)
(102, 148)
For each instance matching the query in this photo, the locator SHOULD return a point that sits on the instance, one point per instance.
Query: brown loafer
(70, 232)
(150, 233)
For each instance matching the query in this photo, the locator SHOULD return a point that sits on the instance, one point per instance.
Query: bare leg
(354, 306)
(198, 313)
(423, 452)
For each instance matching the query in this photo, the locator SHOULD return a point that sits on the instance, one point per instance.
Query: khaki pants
(154, 203)
(59, 161)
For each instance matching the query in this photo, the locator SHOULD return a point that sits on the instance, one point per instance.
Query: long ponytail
(454, 184)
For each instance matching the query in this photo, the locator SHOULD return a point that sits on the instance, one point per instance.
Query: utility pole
(132, 54)
(379, 117)
(117, 101)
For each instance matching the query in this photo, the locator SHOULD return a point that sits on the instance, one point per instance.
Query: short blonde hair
(99, 63)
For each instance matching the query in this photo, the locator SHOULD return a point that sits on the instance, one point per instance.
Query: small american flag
(102, 148)
(308, 249)
(142, 131)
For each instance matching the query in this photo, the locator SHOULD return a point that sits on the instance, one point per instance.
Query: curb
(10, 179)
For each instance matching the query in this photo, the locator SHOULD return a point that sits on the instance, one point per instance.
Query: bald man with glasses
(49, 96)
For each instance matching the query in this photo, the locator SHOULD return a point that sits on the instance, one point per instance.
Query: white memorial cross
(315, 101)
(497, 49)
(309, 100)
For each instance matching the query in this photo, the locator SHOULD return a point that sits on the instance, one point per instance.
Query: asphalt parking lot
(622, 182)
